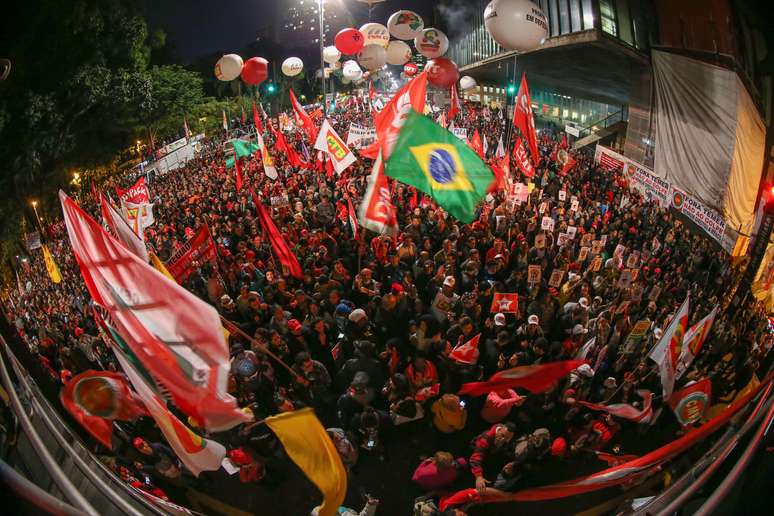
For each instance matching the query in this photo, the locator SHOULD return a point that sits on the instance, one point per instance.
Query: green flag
(242, 148)
(433, 160)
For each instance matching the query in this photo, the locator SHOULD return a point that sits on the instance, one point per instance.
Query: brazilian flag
(242, 149)
(431, 159)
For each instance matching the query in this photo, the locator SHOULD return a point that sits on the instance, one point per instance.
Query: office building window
(607, 15)
(588, 14)
(564, 17)
(575, 16)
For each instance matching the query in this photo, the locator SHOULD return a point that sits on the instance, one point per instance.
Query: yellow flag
(308, 445)
(159, 265)
(51, 266)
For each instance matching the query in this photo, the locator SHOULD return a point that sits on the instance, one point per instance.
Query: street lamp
(322, 46)
(35, 209)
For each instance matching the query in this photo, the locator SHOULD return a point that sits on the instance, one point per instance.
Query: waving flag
(198, 454)
(534, 378)
(522, 159)
(668, 349)
(138, 216)
(500, 152)
(524, 120)
(454, 108)
(172, 332)
(96, 398)
(281, 145)
(331, 143)
(694, 340)
(433, 160)
(268, 164)
(51, 267)
(308, 445)
(278, 244)
(242, 149)
(238, 170)
(376, 211)
(468, 352)
(690, 403)
(476, 145)
(138, 193)
(304, 120)
(352, 218)
(257, 119)
(120, 229)
(568, 165)
(626, 411)
(389, 120)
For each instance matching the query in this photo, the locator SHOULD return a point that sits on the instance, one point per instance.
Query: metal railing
(78, 476)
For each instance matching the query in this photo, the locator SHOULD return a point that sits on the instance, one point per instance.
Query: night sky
(201, 27)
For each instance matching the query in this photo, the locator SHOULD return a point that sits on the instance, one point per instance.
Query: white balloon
(398, 52)
(350, 63)
(228, 67)
(431, 43)
(375, 34)
(516, 24)
(467, 82)
(372, 57)
(352, 72)
(292, 66)
(405, 24)
(331, 54)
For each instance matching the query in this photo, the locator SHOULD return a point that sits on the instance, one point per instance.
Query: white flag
(486, 146)
(331, 143)
(500, 152)
(667, 351)
(122, 230)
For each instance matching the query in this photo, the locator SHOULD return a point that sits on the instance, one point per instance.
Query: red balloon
(442, 72)
(410, 69)
(349, 41)
(255, 70)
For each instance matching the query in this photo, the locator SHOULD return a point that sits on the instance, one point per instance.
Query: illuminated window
(607, 17)
(574, 115)
(565, 113)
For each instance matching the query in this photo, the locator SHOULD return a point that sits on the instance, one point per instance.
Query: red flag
(505, 303)
(175, 335)
(455, 103)
(476, 145)
(352, 217)
(534, 378)
(198, 250)
(414, 199)
(238, 169)
(389, 120)
(522, 159)
(466, 353)
(137, 194)
(376, 211)
(281, 144)
(304, 120)
(281, 249)
(568, 165)
(499, 182)
(524, 120)
(564, 145)
(257, 119)
(96, 398)
(690, 403)
(626, 411)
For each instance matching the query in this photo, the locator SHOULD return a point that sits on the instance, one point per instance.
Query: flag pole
(264, 349)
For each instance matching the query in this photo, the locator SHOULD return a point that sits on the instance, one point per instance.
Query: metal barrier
(78, 476)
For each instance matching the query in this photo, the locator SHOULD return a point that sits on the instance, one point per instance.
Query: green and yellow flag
(51, 266)
(431, 159)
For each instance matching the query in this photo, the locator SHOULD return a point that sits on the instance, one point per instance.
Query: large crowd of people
(368, 332)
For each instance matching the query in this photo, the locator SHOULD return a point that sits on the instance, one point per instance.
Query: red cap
(397, 288)
(294, 325)
(239, 457)
(138, 441)
(558, 447)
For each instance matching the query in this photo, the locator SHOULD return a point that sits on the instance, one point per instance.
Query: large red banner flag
(522, 159)
(476, 144)
(534, 378)
(304, 119)
(137, 194)
(199, 250)
(352, 218)
(174, 334)
(454, 108)
(524, 120)
(389, 120)
(281, 249)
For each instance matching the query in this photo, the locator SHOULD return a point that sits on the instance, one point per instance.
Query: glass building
(629, 21)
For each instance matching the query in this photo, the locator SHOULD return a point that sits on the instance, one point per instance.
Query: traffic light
(271, 88)
(511, 89)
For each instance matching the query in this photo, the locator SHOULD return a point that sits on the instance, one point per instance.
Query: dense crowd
(369, 329)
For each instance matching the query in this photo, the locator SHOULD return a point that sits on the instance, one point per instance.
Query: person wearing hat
(445, 302)
(356, 397)
(572, 344)
(529, 332)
